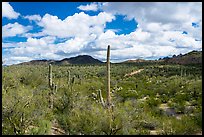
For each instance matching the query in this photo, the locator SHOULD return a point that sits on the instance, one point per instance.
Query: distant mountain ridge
(193, 57)
(81, 59)
(137, 61)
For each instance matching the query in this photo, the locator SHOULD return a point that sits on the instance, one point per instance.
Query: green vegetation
(77, 106)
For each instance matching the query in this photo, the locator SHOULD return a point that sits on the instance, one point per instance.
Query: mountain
(38, 62)
(193, 57)
(81, 59)
(137, 61)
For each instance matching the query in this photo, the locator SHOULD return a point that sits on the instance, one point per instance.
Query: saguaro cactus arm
(101, 98)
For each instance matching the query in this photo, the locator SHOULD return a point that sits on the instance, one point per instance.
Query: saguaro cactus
(72, 83)
(68, 77)
(181, 72)
(108, 103)
(108, 78)
(52, 86)
(50, 75)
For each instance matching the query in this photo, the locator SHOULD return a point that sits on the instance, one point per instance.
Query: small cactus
(73, 79)
(55, 89)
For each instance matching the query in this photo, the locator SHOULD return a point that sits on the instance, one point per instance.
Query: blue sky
(57, 30)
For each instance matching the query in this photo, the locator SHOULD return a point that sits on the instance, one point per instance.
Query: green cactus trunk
(53, 88)
(109, 105)
(68, 78)
(72, 83)
(108, 78)
(181, 72)
(50, 75)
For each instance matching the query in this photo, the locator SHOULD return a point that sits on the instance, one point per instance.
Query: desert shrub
(83, 120)
(185, 126)
(33, 79)
(21, 108)
(153, 102)
(25, 100)
(156, 112)
(164, 98)
(198, 119)
(42, 127)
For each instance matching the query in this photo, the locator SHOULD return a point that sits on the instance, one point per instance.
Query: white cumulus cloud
(11, 30)
(159, 33)
(8, 11)
(90, 7)
(33, 17)
(78, 25)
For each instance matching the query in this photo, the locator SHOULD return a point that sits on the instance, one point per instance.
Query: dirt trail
(56, 130)
(134, 72)
(200, 133)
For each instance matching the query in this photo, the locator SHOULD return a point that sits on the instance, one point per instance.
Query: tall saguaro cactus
(108, 78)
(68, 77)
(52, 86)
(50, 75)
(108, 104)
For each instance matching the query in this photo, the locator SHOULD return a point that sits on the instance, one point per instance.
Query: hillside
(147, 99)
(136, 61)
(38, 62)
(193, 57)
(81, 59)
